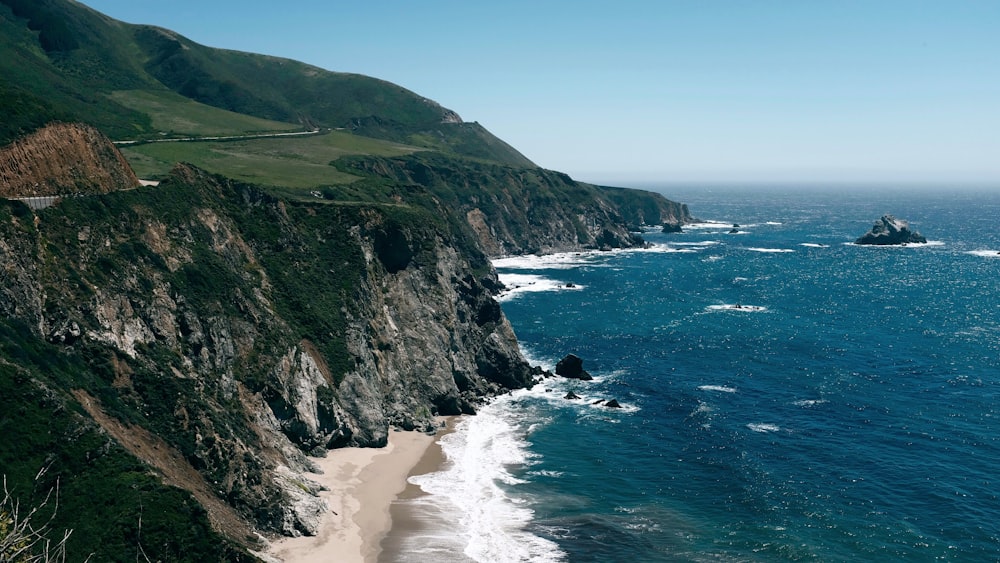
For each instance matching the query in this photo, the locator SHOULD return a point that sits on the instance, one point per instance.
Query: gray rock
(889, 230)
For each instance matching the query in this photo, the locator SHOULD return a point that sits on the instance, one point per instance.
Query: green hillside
(174, 115)
(294, 162)
(62, 60)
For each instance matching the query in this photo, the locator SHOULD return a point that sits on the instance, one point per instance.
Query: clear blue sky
(664, 91)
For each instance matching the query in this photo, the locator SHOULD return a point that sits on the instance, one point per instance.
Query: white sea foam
(561, 261)
(772, 223)
(809, 402)
(770, 250)
(985, 253)
(928, 244)
(737, 307)
(709, 225)
(518, 284)
(663, 249)
(696, 243)
(719, 388)
(814, 245)
(533, 360)
(763, 427)
(471, 492)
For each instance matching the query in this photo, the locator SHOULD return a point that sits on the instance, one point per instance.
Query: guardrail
(39, 202)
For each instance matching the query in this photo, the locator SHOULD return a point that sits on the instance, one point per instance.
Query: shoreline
(406, 520)
(363, 484)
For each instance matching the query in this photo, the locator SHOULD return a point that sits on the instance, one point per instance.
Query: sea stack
(571, 367)
(891, 231)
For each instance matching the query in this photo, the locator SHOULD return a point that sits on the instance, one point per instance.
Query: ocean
(787, 395)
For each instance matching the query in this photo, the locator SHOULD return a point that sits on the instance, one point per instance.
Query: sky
(668, 91)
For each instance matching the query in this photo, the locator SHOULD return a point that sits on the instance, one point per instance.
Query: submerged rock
(890, 231)
(613, 404)
(571, 396)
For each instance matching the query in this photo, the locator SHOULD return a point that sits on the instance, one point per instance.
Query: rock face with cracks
(248, 332)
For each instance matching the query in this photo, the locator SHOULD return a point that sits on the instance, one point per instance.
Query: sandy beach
(362, 484)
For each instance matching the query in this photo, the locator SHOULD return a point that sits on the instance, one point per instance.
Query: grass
(176, 115)
(289, 162)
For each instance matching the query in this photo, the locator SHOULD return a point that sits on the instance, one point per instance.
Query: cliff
(63, 158)
(518, 210)
(244, 332)
(191, 346)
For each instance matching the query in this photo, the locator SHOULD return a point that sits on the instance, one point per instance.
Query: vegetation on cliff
(172, 355)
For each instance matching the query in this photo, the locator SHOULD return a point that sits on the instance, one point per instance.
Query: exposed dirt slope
(63, 158)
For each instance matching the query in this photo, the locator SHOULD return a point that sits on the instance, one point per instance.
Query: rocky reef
(889, 230)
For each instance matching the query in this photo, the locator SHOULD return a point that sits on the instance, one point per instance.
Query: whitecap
(814, 245)
(809, 402)
(709, 225)
(698, 243)
(737, 307)
(703, 408)
(928, 244)
(719, 388)
(769, 250)
(664, 249)
(773, 223)
(763, 427)
(559, 261)
(985, 253)
(518, 284)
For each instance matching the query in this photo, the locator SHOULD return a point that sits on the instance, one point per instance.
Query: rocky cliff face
(889, 230)
(248, 332)
(527, 210)
(223, 336)
(63, 158)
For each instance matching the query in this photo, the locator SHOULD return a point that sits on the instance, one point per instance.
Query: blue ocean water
(848, 409)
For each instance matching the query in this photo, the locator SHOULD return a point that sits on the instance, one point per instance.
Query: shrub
(24, 534)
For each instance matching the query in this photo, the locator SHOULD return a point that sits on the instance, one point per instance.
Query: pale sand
(362, 484)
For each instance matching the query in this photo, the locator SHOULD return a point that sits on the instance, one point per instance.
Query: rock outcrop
(527, 211)
(890, 231)
(242, 333)
(571, 367)
(63, 158)
(248, 332)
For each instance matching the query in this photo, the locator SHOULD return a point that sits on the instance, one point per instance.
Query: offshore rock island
(889, 230)
(181, 355)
